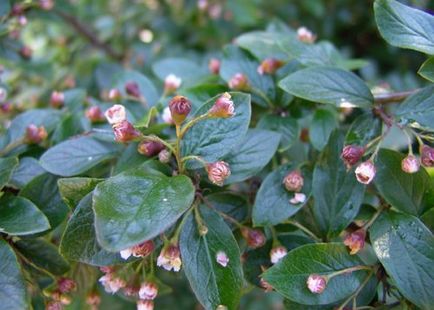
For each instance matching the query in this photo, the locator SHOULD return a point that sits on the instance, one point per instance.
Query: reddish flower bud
(223, 107)
(179, 107)
(140, 250)
(255, 238)
(125, 132)
(17, 9)
(94, 114)
(265, 285)
(365, 172)
(150, 148)
(304, 135)
(316, 283)
(427, 156)
(145, 305)
(355, 241)
(277, 253)
(269, 66)
(410, 164)
(351, 154)
(172, 83)
(116, 114)
(131, 290)
(170, 258)
(6, 107)
(222, 258)
(239, 82)
(46, 4)
(164, 156)
(214, 66)
(26, 52)
(305, 35)
(54, 305)
(107, 269)
(93, 299)
(132, 89)
(218, 172)
(148, 291)
(114, 95)
(66, 285)
(57, 99)
(35, 135)
(293, 181)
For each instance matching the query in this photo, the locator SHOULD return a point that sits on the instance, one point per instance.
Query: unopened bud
(269, 66)
(223, 107)
(22, 20)
(114, 94)
(316, 283)
(46, 4)
(66, 285)
(65, 299)
(150, 148)
(218, 172)
(148, 291)
(265, 285)
(111, 283)
(131, 290)
(26, 52)
(145, 305)
(140, 250)
(214, 66)
(116, 114)
(305, 35)
(54, 305)
(132, 89)
(239, 82)
(277, 253)
(35, 135)
(3, 94)
(410, 164)
(427, 156)
(93, 299)
(355, 241)
(255, 238)
(57, 99)
(172, 83)
(365, 172)
(293, 181)
(170, 258)
(179, 107)
(17, 9)
(351, 154)
(6, 107)
(125, 132)
(94, 114)
(164, 156)
(222, 258)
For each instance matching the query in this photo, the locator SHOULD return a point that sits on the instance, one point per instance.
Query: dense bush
(280, 171)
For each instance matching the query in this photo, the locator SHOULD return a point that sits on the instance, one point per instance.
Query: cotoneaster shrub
(265, 166)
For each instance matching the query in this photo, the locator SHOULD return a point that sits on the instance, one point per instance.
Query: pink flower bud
(65, 300)
(298, 198)
(35, 135)
(305, 35)
(355, 241)
(167, 116)
(214, 66)
(316, 283)
(131, 290)
(265, 285)
(46, 4)
(218, 172)
(94, 114)
(179, 107)
(111, 283)
(140, 250)
(164, 156)
(22, 20)
(125, 132)
(93, 299)
(148, 291)
(3, 94)
(6, 107)
(172, 83)
(239, 82)
(107, 269)
(116, 114)
(145, 305)
(365, 172)
(17, 9)
(269, 66)
(114, 95)
(54, 305)
(427, 156)
(222, 258)
(66, 285)
(410, 164)
(223, 107)
(255, 238)
(132, 89)
(351, 154)
(149, 148)
(57, 99)
(293, 181)
(277, 253)
(170, 258)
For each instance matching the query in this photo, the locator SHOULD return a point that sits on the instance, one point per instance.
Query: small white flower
(172, 82)
(145, 305)
(365, 172)
(316, 283)
(111, 284)
(277, 253)
(170, 258)
(148, 291)
(305, 35)
(167, 116)
(3, 94)
(298, 198)
(116, 114)
(125, 254)
(222, 258)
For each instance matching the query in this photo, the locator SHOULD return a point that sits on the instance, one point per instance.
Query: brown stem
(88, 34)
(394, 97)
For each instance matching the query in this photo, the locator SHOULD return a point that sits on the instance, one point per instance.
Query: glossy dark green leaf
(212, 283)
(255, 151)
(75, 156)
(419, 107)
(13, 292)
(289, 276)
(75, 99)
(405, 27)
(19, 216)
(79, 240)
(337, 193)
(28, 169)
(188, 70)
(272, 205)
(73, 190)
(427, 69)
(70, 125)
(146, 87)
(328, 85)
(404, 191)
(44, 193)
(212, 139)
(322, 125)
(405, 248)
(43, 254)
(136, 205)
(231, 204)
(262, 44)
(7, 166)
(364, 129)
(285, 125)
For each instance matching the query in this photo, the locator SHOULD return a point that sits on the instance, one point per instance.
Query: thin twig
(393, 97)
